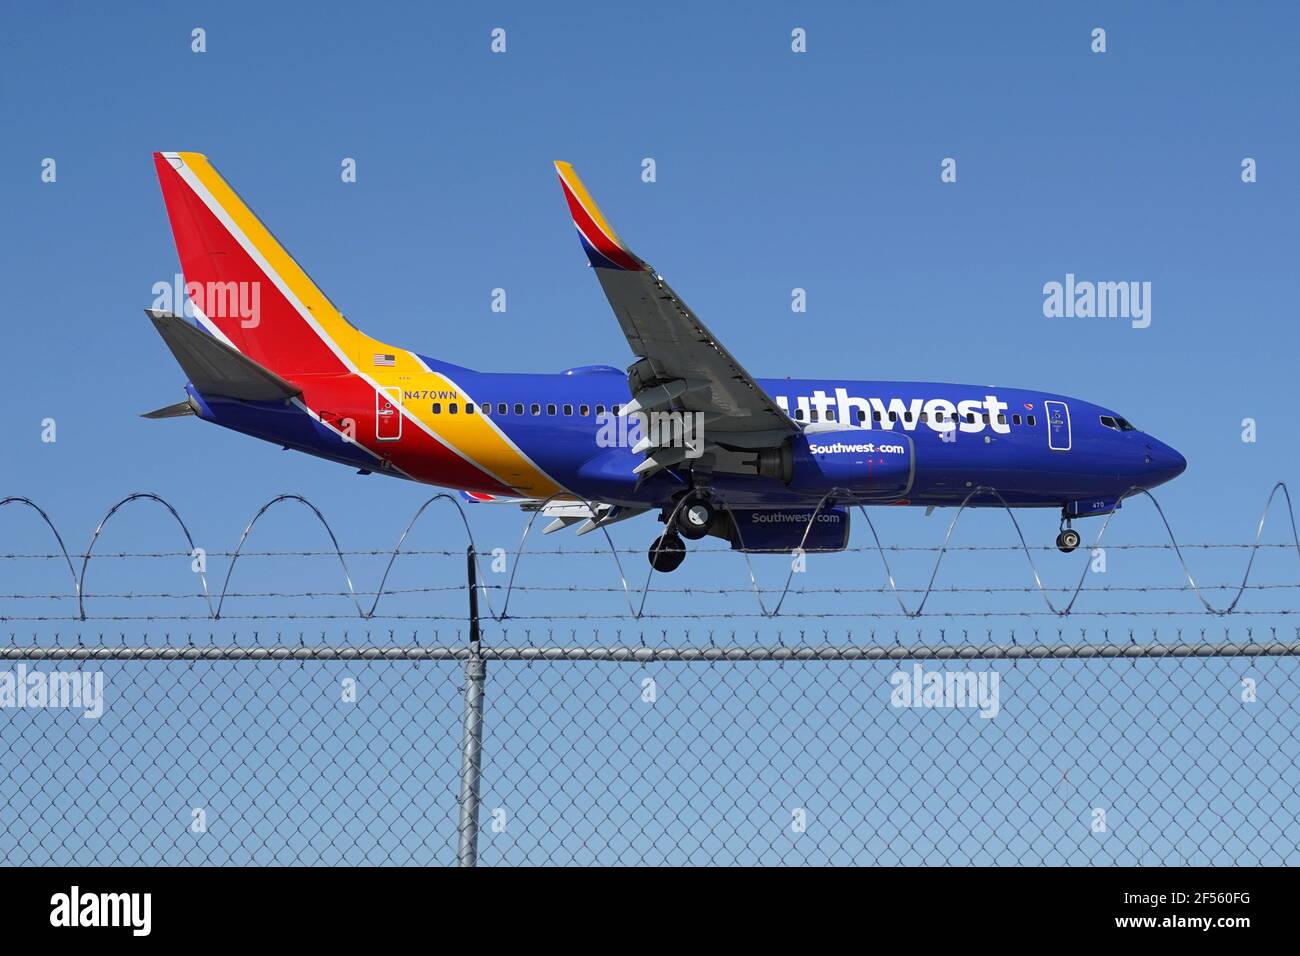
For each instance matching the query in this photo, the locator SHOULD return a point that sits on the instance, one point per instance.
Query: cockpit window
(1124, 425)
(1109, 422)
(1117, 423)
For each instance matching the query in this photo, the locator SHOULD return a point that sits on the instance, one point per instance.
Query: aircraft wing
(682, 366)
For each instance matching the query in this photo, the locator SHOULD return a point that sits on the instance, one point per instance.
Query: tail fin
(242, 284)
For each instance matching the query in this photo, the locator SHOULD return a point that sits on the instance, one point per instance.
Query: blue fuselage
(1035, 448)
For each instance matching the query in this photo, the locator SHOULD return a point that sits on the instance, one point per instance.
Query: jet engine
(864, 462)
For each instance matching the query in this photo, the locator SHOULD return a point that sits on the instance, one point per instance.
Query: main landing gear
(667, 552)
(694, 519)
(1068, 539)
(691, 520)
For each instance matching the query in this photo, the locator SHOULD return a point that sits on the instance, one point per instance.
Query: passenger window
(469, 408)
(875, 416)
(830, 414)
(798, 414)
(487, 408)
(812, 415)
(452, 408)
(584, 410)
(550, 409)
(615, 409)
(938, 417)
(536, 409)
(503, 409)
(925, 416)
(985, 416)
(970, 418)
(893, 416)
(856, 416)
(437, 408)
(1015, 419)
(1002, 419)
(1031, 421)
(907, 416)
(568, 409)
(600, 409)
(519, 408)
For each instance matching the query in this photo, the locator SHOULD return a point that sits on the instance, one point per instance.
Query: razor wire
(636, 599)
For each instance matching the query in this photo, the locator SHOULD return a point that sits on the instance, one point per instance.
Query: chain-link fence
(686, 752)
(1020, 743)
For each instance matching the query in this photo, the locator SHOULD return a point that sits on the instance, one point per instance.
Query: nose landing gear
(1068, 539)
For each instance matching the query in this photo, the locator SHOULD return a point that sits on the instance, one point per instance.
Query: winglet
(603, 246)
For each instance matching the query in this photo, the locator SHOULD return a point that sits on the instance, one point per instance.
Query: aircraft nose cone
(1163, 463)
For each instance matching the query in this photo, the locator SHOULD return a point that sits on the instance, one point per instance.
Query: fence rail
(679, 654)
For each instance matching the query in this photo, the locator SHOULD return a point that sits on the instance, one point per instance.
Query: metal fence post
(472, 740)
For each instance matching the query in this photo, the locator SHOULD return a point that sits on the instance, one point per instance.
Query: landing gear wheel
(667, 553)
(1067, 540)
(694, 518)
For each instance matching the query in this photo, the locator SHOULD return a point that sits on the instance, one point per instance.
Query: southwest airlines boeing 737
(685, 432)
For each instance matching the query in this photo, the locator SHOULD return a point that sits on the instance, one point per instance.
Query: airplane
(768, 465)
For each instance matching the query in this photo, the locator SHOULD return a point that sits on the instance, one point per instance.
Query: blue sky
(774, 171)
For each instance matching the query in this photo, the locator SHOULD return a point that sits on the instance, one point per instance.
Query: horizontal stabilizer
(172, 411)
(215, 368)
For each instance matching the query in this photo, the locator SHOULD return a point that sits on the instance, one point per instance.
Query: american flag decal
(385, 359)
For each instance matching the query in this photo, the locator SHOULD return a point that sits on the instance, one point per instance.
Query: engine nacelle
(784, 529)
(869, 463)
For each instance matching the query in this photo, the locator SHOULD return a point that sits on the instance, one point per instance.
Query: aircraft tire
(694, 519)
(667, 553)
(1067, 540)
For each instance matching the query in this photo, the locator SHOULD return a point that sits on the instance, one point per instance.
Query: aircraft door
(388, 413)
(1058, 426)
